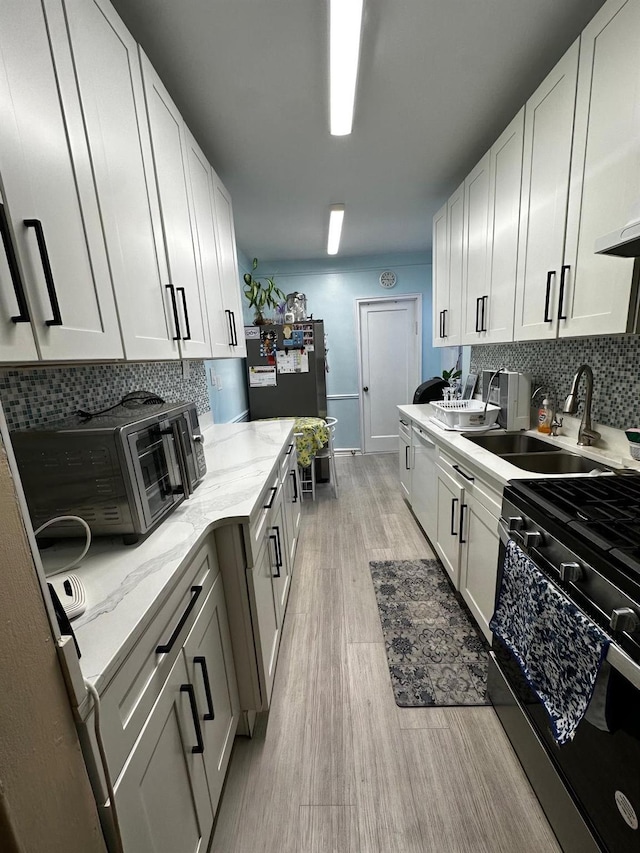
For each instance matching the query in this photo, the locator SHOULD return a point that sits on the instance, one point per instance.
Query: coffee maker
(512, 392)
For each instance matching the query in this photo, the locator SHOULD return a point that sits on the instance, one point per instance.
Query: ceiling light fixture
(345, 26)
(335, 228)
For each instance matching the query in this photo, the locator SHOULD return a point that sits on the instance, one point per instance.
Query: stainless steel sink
(512, 442)
(559, 462)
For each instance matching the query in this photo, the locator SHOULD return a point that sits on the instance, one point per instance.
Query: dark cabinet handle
(188, 688)
(183, 295)
(14, 270)
(563, 273)
(485, 300)
(466, 476)
(441, 333)
(234, 342)
(174, 306)
(166, 647)
(547, 299)
(229, 326)
(269, 503)
(274, 539)
(478, 329)
(366, 388)
(444, 323)
(279, 557)
(211, 713)
(461, 528)
(289, 451)
(294, 499)
(406, 457)
(454, 501)
(46, 268)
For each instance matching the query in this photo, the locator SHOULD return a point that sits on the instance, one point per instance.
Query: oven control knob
(515, 523)
(531, 539)
(570, 572)
(624, 619)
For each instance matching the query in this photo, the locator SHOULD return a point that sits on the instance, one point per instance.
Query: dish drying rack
(465, 413)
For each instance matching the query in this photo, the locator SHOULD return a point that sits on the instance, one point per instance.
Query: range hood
(624, 242)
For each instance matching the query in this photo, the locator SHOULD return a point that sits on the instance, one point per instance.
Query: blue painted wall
(331, 287)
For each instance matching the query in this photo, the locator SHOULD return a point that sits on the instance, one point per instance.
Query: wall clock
(388, 279)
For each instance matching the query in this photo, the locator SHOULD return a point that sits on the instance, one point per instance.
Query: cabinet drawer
(128, 699)
(404, 429)
(473, 483)
(285, 459)
(268, 499)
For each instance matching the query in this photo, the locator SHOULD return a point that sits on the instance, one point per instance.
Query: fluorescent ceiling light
(335, 228)
(345, 25)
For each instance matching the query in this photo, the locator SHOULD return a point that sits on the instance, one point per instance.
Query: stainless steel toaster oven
(122, 472)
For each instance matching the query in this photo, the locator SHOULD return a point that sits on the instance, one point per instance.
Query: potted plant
(261, 294)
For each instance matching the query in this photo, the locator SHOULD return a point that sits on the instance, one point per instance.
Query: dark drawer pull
(444, 323)
(183, 295)
(211, 713)
(563, 274)
(274, 539)
(294, 499)
(46, 268)
(174, 306)
(478, 329)
(462, 509)
(229, 326)
(485, 300)
(14, 270)
(454, 501)
(289, 451)
(188, 688)
(547, 299)
(406, 457)
(466, 476)
(269, 503)
(195, 594)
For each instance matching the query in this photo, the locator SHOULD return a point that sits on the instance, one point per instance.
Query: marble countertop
(126, 583)
(612, 450)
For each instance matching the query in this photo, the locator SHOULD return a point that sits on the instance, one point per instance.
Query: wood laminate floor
(336, 766)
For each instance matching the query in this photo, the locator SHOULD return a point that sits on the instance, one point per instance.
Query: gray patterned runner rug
(436, 655)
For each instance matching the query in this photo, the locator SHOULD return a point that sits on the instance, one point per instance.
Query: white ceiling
(439, 80)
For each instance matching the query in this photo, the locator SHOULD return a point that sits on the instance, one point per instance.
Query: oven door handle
(181, 454)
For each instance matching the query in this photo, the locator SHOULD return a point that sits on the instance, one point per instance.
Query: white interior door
(390, 347)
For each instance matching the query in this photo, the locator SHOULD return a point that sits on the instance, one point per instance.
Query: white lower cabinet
(211, 672)
(480, 543)
(405, 462)
(450, 496)
(162, 796)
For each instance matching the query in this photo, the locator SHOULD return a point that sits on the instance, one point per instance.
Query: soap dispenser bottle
(545, 417)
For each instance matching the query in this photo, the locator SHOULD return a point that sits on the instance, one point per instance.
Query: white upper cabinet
(476, 227)
(16, 333)
(548, 133)
(605, 173)
(110, 85)
(447, 270)
(440, 272)
(169, 146)
(229, 276)
(502, 236)
(49, 195)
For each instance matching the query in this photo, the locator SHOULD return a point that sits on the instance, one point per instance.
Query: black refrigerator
(277, 350)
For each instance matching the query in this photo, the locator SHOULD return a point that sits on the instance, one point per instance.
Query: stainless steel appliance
(293, 394)
(584, 535)
(512, 392)
(122, 471)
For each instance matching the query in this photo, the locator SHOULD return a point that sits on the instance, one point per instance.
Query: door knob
(366, 388)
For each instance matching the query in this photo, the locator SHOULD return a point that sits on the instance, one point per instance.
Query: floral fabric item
(557, 647)
(314, 434)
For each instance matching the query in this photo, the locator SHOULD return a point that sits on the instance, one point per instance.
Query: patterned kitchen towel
(558, 648)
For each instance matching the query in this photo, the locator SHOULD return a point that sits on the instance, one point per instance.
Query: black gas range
(583, 533)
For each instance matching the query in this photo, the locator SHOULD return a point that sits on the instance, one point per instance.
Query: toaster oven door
(156, 477)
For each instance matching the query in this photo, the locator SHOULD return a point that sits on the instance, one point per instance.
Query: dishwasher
(424, 482)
